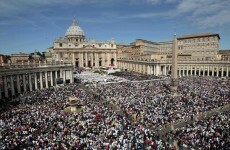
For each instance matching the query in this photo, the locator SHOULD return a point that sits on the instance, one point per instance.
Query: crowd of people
(152, 102)
(210, 133)
(134, 76)
(39, 121)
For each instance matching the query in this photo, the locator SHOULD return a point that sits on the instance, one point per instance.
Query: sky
(29, 25)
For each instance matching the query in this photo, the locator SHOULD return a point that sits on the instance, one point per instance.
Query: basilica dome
(74, 30)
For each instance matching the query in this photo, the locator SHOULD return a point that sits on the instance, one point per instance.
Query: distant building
(203, 46)
(224, 55)
(19, 58)
(35, 56)
(1, 59)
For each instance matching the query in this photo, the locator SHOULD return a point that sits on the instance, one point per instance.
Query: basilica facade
(76, 49)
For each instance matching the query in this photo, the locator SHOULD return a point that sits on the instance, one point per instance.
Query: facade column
(12, 85)
(81, 60)
(41, 82)
(35, 81)
(96, 60)
(86, 60)
(18, 84)
(165, 70)
(30, 83)
(91, 60)
(154, 69)
(217, 71)
(115, 59)
(51, 78)
(227, 72)
(195, 71)
(71, 76)
(73, 60)
(183, 72)
(208, 71)
(46, 79)
(199, 70)
(56, 76)
(213, 70)
(108, 58)
(204, 68)
(24, 82)
(5, 87)
(222, 71)
(64, 76)
(179, 71)
(0, 92)
(191, 68)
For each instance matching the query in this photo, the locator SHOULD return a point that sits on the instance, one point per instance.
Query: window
(60, 44)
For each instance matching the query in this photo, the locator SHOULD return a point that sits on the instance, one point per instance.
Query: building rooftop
(198, 35)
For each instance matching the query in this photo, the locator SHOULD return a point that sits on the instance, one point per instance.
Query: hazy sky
(29, 25)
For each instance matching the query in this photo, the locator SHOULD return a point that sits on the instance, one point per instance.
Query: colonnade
(18, 82)
(217, 70)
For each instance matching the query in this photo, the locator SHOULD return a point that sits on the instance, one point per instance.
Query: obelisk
(174, 78)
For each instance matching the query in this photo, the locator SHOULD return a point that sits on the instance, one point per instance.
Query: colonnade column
(179, 70)
(12, 85)
(24, 82)
(35, 81)
(187, 71)
(30, 83)
(5, 86)
(183, 71)
(46, 79)
(18, 84)
(199, 70)
(208, 71)
(51, 78)
(41, 82)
